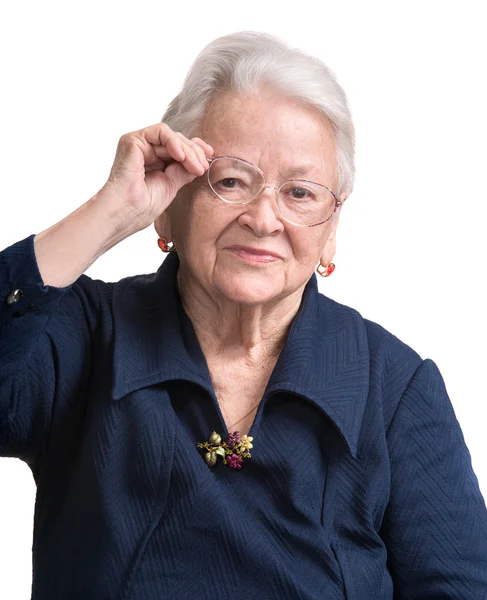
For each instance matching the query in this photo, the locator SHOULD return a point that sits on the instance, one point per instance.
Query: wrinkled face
(279, 136)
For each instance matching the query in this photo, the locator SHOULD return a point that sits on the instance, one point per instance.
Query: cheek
(307, 246)
(201, 222)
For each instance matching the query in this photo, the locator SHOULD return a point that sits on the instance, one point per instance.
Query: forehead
(272, 131)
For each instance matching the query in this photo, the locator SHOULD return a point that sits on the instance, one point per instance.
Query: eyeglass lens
(300, 202)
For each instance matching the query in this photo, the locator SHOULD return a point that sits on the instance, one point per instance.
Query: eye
(229, 182)
(300, 194)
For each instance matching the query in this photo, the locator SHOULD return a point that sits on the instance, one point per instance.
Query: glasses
(299, 201)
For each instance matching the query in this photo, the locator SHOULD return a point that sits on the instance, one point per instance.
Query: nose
(261, 215)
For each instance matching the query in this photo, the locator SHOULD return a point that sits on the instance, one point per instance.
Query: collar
(325, 359)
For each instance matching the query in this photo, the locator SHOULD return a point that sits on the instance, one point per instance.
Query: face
(279, 136)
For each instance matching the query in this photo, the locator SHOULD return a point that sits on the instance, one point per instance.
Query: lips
(254, 256)
(255, 251)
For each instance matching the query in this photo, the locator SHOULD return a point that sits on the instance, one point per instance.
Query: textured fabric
(360, 484)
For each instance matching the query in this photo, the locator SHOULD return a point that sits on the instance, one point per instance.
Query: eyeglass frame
(276, 188)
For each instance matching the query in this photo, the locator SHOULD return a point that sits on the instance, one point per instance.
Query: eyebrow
(299, 171)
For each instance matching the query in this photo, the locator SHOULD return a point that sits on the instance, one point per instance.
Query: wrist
(119, 219)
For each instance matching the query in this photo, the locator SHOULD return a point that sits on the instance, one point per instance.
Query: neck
(237, 332)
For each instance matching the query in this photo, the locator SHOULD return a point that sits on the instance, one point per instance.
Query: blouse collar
(325, 359)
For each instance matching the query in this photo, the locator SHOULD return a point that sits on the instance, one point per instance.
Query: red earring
(325, 271)
(164, 245)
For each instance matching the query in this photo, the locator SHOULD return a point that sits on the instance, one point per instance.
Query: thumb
(178, 176)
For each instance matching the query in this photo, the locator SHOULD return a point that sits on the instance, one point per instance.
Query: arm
(66, 250)
(45, 348)
(49, 312)
(435, 526)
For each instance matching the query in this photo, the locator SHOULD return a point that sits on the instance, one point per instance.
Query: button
(14, 296)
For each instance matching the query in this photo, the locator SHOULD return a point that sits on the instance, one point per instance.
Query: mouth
(254, 255)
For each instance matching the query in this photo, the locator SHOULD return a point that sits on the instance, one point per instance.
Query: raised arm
(50, 311)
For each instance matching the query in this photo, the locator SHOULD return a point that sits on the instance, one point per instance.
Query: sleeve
(435, 525)
(46, 338)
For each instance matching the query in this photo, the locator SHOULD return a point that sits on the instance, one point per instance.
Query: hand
(151, 165)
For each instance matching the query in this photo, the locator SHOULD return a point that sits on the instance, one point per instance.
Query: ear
(163, 226)
(330, 245)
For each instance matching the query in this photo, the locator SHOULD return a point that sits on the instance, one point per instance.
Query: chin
(250, 289)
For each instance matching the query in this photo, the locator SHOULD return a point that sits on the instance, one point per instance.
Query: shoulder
(383, 345)
(105, 295)
(392, 362)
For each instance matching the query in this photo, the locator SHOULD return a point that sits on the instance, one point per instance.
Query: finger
(156, 134)
(173, 150)
(201, 154)
(192, 162)
(198, 152)
(173, 178)
(166, 144)
(133, 145)
(162, 135)
(206, 147)
(135, 152)
(160, 165)
(180, 175)
(175, 147)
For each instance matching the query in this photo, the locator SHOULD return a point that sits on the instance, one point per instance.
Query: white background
(411, 241)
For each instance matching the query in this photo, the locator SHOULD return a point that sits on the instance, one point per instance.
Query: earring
(164, 245)
(325, 271)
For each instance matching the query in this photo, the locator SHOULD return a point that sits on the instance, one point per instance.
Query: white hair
(247, 60)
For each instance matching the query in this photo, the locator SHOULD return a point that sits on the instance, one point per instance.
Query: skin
(242, 311)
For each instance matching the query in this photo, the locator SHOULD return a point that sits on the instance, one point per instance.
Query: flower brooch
(233, 451)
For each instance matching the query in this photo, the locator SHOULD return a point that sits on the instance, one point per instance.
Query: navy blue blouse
(360, 484)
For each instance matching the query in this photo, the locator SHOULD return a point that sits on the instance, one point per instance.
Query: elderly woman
(220, 428)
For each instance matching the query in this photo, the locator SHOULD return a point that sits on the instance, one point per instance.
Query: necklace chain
(242, 418)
